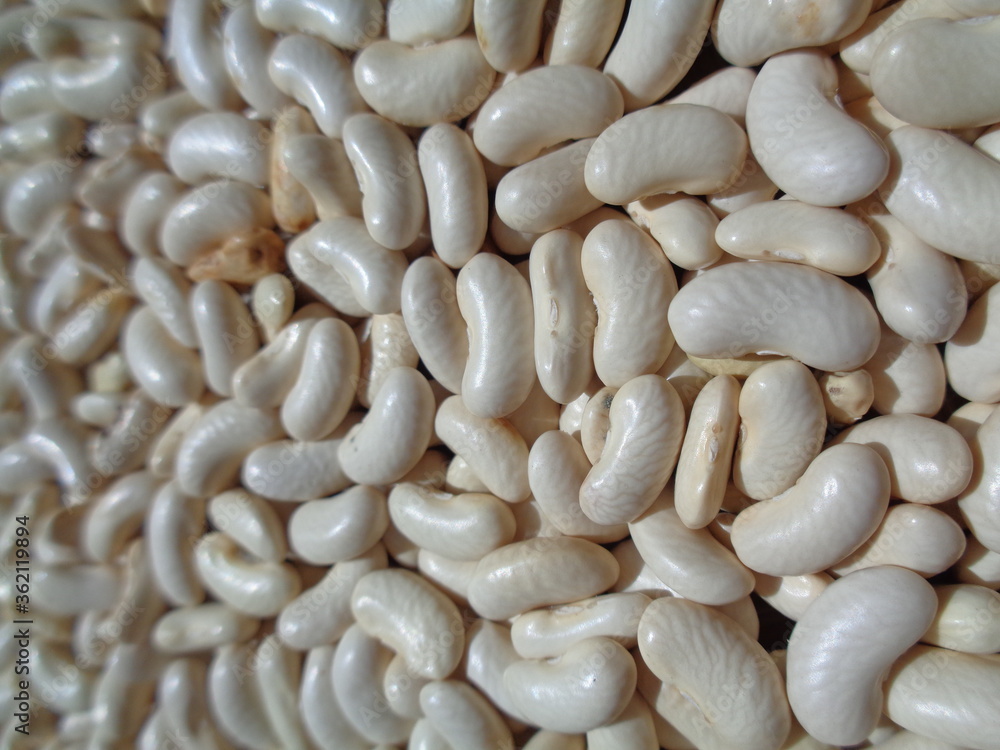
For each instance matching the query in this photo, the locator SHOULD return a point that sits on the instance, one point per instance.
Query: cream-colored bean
(441, 82)
(178, 520)
(791, 595)
(385, 345)
(747, 33)
(322, 613)
(847, 396)
(461, 527)
(319, 165)
(278, 673)
(66, 590)
(246, 46)
(968, 418)
(683, 226)
(542, 108)
(324, 389)
(47, 135)
(746, 308)
(161, 116)
(434, 321)
(207, 216)
(979, 502)
(924, 192)
(164, 288)
(348, 25)
(220, 145)
(265, 379)
(417, 23)
(189, 630)
(845, 642)
(928, 461)
(162, 458)
(786, 142)
(917, 537)
(697, 653)
(463, 717)
(271, 301)
(657, 46)
(26, 91)
(703, 468)
(181, 694)
(198, 51)
(689, 561)
(259, 589)
(36, 194)
(870, 113)
(385, 161)
(549, 633)
(236, 704)
(583, 689)
(537, 573)
(115, 515)
(583, 32)
(394, 434)
(646, 428)
(342, 527)
(495, 301)
(919, 291)
(907, 378)
(357, 673)
(98, 87)
(125, 444)
(123, 693)
(858, 48)
(226, 333)
(373, 274)
(632, 728)
(402, 688)
(905, 82)
(322, 716)
(830, 511)
(318, 77)
(291, 470)
(547, 192)
(564, 315)
(726, 90)
(703, 152)
(978, 565)
(455, 183)
(558, 491)
(967, 620)
(955, 705)
(544, 739)
(969, 356)
(509, 36)
(632, 284)
(783, 424)
(250, 522)
(451, 576)
(488, 654)
(209, 457)
(825, 238)
(168, 372)
(144, 209)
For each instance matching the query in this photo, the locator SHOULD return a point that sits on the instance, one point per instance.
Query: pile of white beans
(448, 374)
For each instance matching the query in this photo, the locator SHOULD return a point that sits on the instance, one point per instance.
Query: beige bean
(698, 653)
(500, 371)
(536, 573)
(632, 284)
(320, 166)
(683, 226)
(979, 502)
(566, 694)
(657, 46)
(978, 565)
(342, 527)
(294, 208)
(783, 424)
(969, 356)
(791, 595)
(688, 561)
(461, 527)
(419, 23)
(703, 468)
(967, 619)
(646, 427)
(931, 468)
(509, 37)
(847, 396)
(849, 637)
(907, 378)
(583, 33)
(544, 107)
(830, 511)
(746, 308)
(961, 685)
(441, 82)
(703, 153)
(917, 537)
